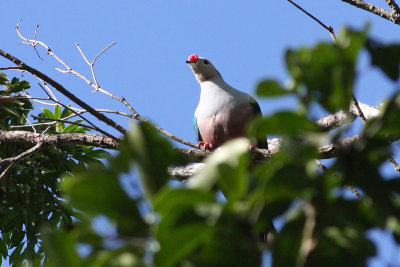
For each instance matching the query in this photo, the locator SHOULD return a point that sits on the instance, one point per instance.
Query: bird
(223, 112)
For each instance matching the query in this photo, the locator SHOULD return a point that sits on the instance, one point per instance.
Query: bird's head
(202, 68)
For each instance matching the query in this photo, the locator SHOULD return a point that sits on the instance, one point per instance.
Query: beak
(188, 62)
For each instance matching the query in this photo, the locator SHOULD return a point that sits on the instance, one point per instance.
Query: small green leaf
(98, 154)
(71, 127)
(98, 191)
(57, 112)
(385, 57)
(24, 85)
(169, 199)
(224, 164)
(16, 238)
(176, 244)
(47, 113)
(15, 257)
(270, 88)
(3, 78)
(10, 110)
(3, 248)
(66, 112)
(282, 123)
(153, 154)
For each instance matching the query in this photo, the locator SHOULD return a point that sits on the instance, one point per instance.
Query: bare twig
(64, 91)
(11, 68)
(91, 64)
(52, 95)
(307, 241)
(352, 189)
(78, 111)
(30, 124)
(395, 164)
(328, 28)
(7, 170)
(22, 155)
(14, 160)
(22, 97)
(360, 112)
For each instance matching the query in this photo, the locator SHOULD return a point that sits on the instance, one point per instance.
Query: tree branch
(95, 84)
(327, 27)
(393, 6)
(324, 152)
(337, 119)
(60, 139)
(394, 17)
(64, 91)
(395, 164)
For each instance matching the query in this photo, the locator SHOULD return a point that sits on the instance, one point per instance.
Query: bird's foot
(205, 145)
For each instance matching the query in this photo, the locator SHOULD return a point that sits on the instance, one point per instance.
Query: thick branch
(59, 139)
(335, 120)
(393, 6)
(325, 152)
(374, 9)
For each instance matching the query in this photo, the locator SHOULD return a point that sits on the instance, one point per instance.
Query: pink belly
(224, 125)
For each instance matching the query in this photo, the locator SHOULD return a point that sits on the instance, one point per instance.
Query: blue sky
(245, 41)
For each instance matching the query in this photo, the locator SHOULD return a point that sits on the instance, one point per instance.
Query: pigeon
(223, 112)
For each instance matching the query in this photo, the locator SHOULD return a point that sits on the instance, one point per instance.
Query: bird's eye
(206, 62)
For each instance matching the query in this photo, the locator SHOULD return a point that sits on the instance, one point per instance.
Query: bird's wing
(196, 129)
(255, 106)
(263, 143)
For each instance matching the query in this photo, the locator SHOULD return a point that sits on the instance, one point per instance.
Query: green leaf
(61, 248)
(16, 238)
(325, 73)
(3, 78)
(385, 57)
(98, 154)
(47, 113)
(270, 88)
(3, 248)
(71, 127)
(16, 86)
(282, 123)
(177, 245)
(66, 112)
(226, 166)
(57, 112)
(10, 110)
(153, 155)
(387, 125)
(15, 257)
(98, 191)
(169, 200)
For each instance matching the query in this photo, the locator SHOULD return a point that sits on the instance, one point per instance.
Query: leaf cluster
(31, 199)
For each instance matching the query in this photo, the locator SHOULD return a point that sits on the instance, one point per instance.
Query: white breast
(218, 95)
